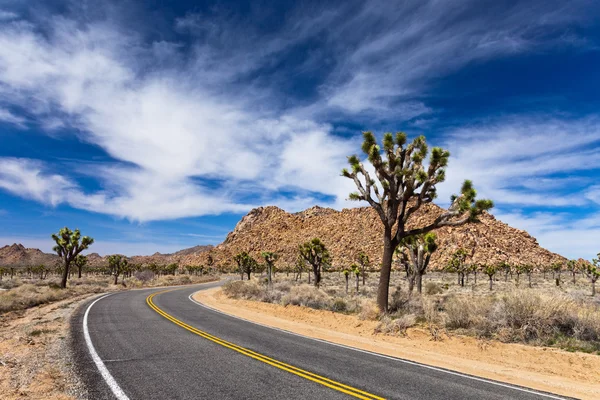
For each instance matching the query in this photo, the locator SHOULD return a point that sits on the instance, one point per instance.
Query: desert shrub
(10, 283)
(243, 290)
(399, 300)
(339, 305)
(396, 326)
(144, 275)
(432, 288)
(307, 296)
(368, 310)
(587, 324)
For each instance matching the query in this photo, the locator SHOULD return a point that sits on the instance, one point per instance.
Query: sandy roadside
(35, 361)
(547, 369)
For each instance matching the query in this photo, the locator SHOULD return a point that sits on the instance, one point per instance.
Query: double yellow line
(340, 387)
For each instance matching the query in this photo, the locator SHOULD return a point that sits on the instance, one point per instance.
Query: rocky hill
(350, 231)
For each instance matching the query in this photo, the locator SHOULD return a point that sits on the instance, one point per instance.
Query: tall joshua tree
(317, 256)
(593, 272)
(80, 261)
(69, 244)
(118, 264)
(419, 248)
(246, 263)
(403, 185)
(270, 258)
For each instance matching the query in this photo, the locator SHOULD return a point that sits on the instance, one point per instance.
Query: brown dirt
(34, 355)
(546, 369)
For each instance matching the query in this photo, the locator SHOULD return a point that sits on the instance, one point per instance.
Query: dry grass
(34, 292)
(564, 316)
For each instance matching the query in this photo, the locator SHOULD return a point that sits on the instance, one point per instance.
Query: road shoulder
(545, 369)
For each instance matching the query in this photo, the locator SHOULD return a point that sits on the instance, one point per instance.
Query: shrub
(396, 326)
(339, 305)
(144, 276)
(368, 310)
(307, 296)
(432, 288)
(242, 290)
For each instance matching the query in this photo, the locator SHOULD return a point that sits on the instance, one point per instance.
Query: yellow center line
(267, 360)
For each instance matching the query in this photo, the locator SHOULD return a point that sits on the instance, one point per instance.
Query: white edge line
(108, 378)
(381, 355)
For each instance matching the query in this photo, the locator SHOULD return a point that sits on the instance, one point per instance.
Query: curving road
(167, 347)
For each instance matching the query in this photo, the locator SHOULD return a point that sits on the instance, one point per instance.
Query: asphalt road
(152, 357)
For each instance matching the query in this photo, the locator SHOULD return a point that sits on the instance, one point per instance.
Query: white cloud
(8, 116)
(524, 161)
(393, 50)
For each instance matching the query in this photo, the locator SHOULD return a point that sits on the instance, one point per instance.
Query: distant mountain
(16, 255)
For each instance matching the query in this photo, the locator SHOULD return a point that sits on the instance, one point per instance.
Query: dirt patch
(35, 359)
(541, 368)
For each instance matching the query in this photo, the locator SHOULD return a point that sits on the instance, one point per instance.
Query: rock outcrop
(348, 232)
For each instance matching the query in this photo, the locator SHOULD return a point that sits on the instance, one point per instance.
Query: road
(168, 347)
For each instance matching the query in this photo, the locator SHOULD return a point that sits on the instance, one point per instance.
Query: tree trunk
(242, 274)
(363, 276)
(419, 283)
(411, 284)
(248, 273)
(116, 278)
(79, 268)
(386, 268)
(357, 281)
(346, 284)
(65, 275)
(475, 277)
(491, 283)
(574, 277)
(308, 273)
(317, 276)
(269, 275)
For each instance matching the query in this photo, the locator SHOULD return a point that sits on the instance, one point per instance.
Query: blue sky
(154, 126)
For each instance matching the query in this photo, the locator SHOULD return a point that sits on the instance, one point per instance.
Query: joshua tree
(299, 267)
(246, 264)
(457, 264)
(346, 273)
(490, 271)
(270, 258)
(365, 263)
(80, 261)
(404, 185)
(556, 270)
(117, 263)
(68, 246)
(356, 272)
(507, 269)
(317, 256)
(419, 248)
(402, 259)
(525, 269)
(572, 267)
(593, 272)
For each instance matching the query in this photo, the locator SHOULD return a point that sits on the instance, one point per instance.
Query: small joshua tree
(80, 261)
(490, 270)
(419, 249)
(356, 272)
(572, 268)
(526, 269)
(593, 272)
(403, 185)
(69, 244)
(117, 263)
(270, 258)
(458, 265)
(317, 256)
(365, 263)
(346, 273)
(556, 271)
